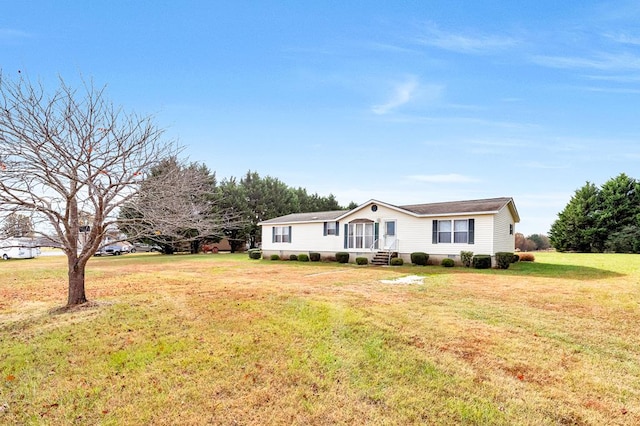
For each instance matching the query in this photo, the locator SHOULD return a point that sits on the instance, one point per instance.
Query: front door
(390, 236)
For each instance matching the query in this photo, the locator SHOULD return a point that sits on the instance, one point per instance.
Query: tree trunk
(76, 283)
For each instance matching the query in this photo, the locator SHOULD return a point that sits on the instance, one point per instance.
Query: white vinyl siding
(490, 234)
(503, 240)
(305, 237)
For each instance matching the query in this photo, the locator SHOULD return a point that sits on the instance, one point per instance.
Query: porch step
(381, 258)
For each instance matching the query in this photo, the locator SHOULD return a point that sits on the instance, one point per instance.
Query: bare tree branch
(71, 158)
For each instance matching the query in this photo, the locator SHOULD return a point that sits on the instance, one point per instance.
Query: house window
(511, 229)
(444, 231)
(456, 231)
(461, 231)
(281, 234)
(390, 228)
(331, 228)
(360, 235)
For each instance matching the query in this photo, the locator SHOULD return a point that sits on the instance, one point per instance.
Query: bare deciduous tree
(16, 225)
(70, 159)
(176, 204)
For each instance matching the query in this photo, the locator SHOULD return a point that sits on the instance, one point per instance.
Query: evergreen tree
(599, 219)
(573, 229)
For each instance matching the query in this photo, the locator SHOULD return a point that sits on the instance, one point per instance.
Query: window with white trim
(360, 235)
(331, 228)
(444, 231)
(461, 231)
(457, 231)
(281, 234)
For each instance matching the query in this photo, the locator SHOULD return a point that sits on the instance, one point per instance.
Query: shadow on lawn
(551, 270)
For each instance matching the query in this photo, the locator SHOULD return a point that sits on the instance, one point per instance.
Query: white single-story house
(377, 230)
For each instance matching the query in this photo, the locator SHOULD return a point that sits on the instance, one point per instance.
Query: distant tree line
(599, 219)
(230, 208)
(532, 242)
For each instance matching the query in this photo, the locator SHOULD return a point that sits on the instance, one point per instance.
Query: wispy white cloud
(500, 143)
(387, 47)
(466, 43)
(627, 91)
(624, 38)
(402, 94)
(602, 62)
(545, 166)
(8, 34)
(631, 78)
(445, 178)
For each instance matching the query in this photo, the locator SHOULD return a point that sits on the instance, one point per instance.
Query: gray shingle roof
(488, 205)
(307, 217)
(451, 207)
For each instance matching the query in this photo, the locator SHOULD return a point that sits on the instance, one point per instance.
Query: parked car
(114, 249)
(140, 247)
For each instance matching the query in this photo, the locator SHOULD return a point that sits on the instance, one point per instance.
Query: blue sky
(401, 101)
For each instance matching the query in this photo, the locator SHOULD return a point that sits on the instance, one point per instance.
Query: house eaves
(305, 218)
(449, 208)
(463, 208)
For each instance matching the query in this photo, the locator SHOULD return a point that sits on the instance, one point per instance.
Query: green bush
(303, 257)
(342, 257)
(397, 261)
(481, 261)
(274, 257)
(362, 260)
(293, 257)
(465, 257)
(419, 258)
(447, 263)
(255, 254)
(315, 257)
(515, 259)
(503, 259)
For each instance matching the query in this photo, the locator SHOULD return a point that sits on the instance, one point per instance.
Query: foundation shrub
(342, 257)
(362, 260)
(481, 261)
(293, 257)
(396, 261)
(447, 263)
(515, 259)
(465, 257)
(503, 259)
(303, 257)
(275, 257)
(419, 258)
(255, 254)
(314, 257)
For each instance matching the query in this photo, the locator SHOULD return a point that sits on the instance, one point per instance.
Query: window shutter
(434, 234)
(325, 229)
(337, 228)
(472, 223)
(290, 236)
(273, 234)
(376, 234)
(346, 235)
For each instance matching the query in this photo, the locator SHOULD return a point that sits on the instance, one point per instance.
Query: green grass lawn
(222, 339)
